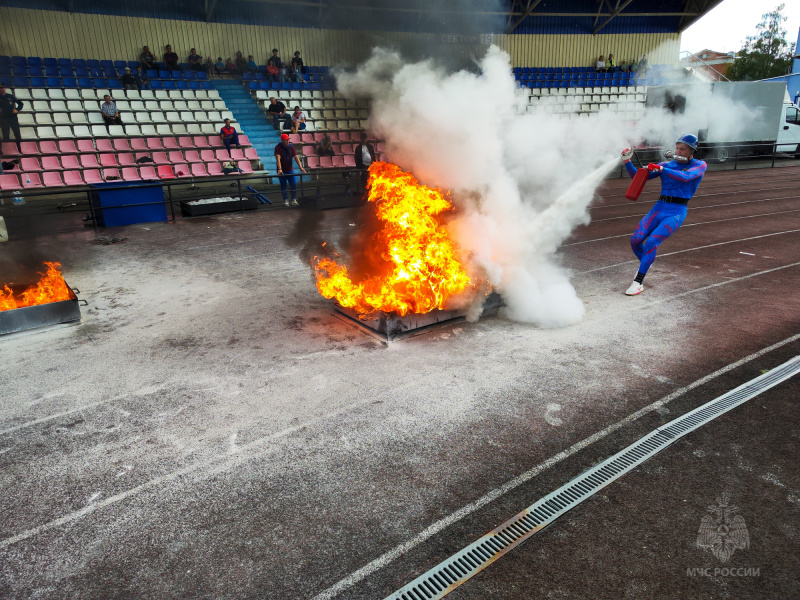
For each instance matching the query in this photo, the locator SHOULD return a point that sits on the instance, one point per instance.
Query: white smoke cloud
(521, 181)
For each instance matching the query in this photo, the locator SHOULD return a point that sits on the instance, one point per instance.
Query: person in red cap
(284, 153)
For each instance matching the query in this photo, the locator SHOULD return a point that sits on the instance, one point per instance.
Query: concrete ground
(212, 430)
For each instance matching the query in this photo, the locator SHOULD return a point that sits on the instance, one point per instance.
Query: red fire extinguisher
(637, 184)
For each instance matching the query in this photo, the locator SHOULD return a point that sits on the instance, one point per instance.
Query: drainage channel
(453, 571)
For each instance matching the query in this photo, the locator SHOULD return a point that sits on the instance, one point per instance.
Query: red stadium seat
(103, 145)
(176, 157)
(67, 147)
(138, 144)
(52, 179)
(121, 145)
(182, 170)
(200, 141)
(10, 149)
(70, 161)
(160, 158)
(154, 143)
(199, 170)
(92, 176)
(307, 138)
(108, 160)
(193, 156)
(85, 146)
(170, 143)
(349, 160)
(31, 164)
(244, 140)
(89, 161)
(312, 162)
(28, 148)
(294, 138)
(50, 163)
(113, 174)
(237, 154)
(48, 147)
(35, 181)
(185, 142)
(165, 172)
(148, 172)
(222, 154)
(214, 169)
(73, 178)
(207, 155)
(325, 162)
(130, 174)
(126, 159)
(337, 161)
(245, 166)
(346, 149)
(215, 142)
(251, 153)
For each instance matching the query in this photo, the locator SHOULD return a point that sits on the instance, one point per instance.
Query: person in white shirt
(600, 66)
(298, 120)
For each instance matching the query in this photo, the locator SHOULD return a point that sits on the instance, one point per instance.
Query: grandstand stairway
(252, 119)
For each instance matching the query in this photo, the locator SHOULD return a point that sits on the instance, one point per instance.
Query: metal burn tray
(212, 208)
(391, 326)
(41, 315)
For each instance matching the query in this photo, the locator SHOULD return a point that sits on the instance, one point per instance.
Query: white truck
(741, 117)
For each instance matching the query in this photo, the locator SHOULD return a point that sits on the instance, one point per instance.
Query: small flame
(50, 288)
(423, 269)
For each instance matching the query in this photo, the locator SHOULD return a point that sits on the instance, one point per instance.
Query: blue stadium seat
(19, 61)
(184, 66)
(260, 76)
(51, 82)
(96, 72)
(254, 85)
(194, 85)
(79, 72)
(52, 72)
(583, 69)
(35, 71)
(39, 82)
(306, 86)
(190, 75)
(168, 84)
(120, 65)
(22, 82)
(79, 62)
(296, 85)
(107, 64)
(559, 70)
(110, 72)
(7, 81)
(99, 82)
(34, 61)
(114, 84)
(182, 84)
(178, 74)
(151, 74)
(202, 75)
(247, 76)
(517, 69)
(5, 71)
(575, 70)
(69, 82)
(93, 63)
(262, 68)
(164, 75)
(84, 82)
(316, 86)
(155, 84)
(19, 71)
(615, 82)
(64, 62)
(133, 64)
(50, 62)
(207, 85)
(5, 61)
(265, 85)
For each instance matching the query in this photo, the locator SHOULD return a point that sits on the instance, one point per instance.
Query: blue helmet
(690, 140)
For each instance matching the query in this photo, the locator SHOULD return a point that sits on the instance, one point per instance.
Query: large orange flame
(50, 288)
(422, 267)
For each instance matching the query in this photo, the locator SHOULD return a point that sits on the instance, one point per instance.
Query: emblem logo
(725, 532)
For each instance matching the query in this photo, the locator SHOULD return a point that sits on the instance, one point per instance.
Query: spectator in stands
(623, 66)
(9, 109)
(298, 120)
(195, 60)
(128, 80)
(324, 147)
(147, 58)
(109, 111)
(230, 66)
(171, 59)
(611, 66)
(365, 156)
(229, 167)
(275, 67)
(284, 153)
(641, 68)
(600, 67)
(297, 63)
(228, 135)
(278, 112)
(241, 63)
(633, 66)
(219, 66)
(251, 64)
(142, 82)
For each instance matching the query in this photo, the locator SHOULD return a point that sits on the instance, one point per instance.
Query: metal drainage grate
(452, 572)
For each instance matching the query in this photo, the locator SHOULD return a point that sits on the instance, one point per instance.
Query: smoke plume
(521, 182)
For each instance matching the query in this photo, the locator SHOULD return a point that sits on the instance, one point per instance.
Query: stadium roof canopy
(587, 17)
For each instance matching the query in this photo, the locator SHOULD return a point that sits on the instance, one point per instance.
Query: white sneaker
(286, 202)
(635, 289)
(294, 203)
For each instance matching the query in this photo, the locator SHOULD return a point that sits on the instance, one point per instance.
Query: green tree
(766, 54)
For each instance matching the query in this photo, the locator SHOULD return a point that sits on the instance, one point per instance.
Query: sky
(725, 27)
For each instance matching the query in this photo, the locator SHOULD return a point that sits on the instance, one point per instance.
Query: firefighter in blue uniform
(679, 180)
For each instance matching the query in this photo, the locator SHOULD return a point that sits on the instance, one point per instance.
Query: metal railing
(721, 76)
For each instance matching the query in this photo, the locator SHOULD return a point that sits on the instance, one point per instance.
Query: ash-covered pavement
(212, 430)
